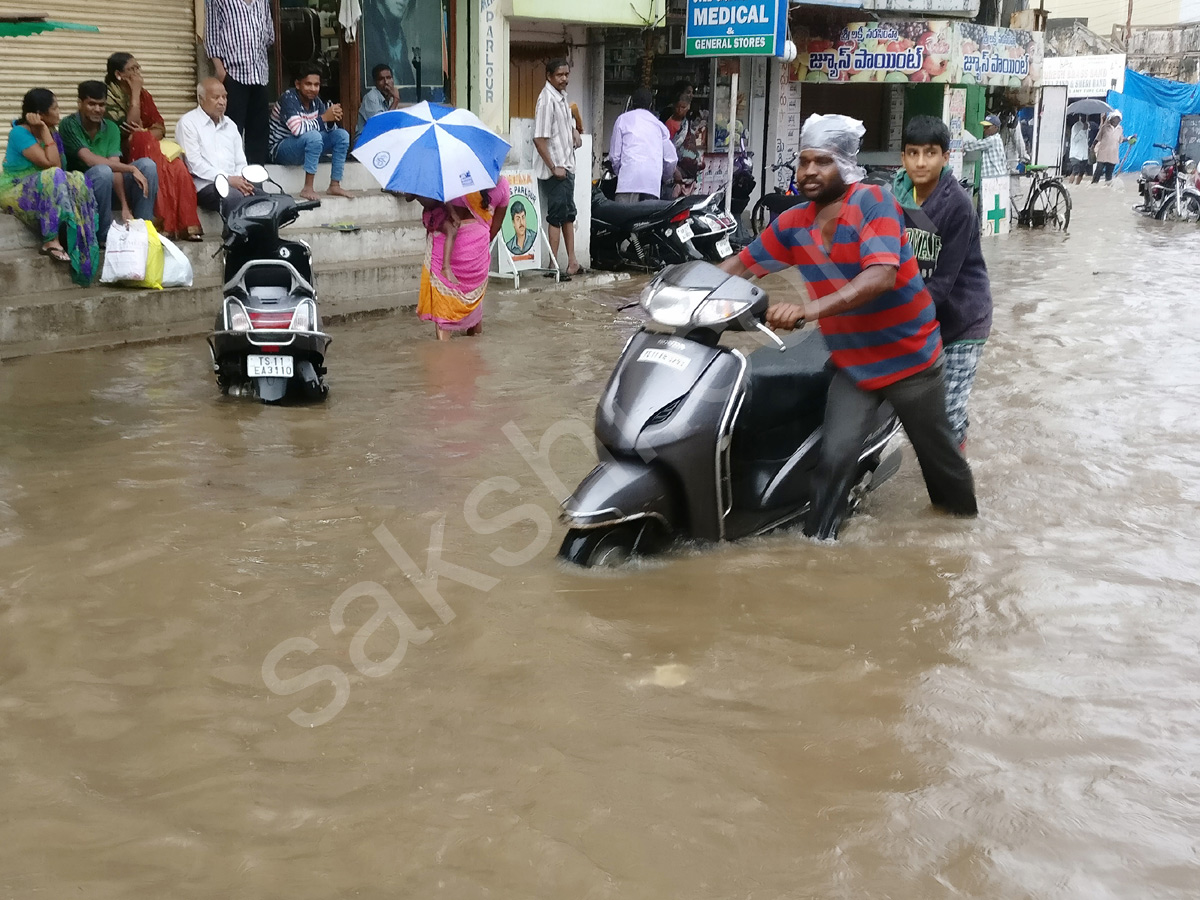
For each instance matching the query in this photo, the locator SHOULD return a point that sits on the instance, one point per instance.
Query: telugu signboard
(998, 57)
(916, 51)
(735, 28)
(913, 51)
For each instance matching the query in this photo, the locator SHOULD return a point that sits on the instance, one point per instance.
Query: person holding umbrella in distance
(449, 161)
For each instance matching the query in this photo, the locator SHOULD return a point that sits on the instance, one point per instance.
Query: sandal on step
(57, 253)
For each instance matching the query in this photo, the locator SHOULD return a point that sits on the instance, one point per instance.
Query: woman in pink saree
(452, 295)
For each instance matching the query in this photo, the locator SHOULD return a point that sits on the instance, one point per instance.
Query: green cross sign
(997, 213)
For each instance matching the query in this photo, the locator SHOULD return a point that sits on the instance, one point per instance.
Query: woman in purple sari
(36, 189)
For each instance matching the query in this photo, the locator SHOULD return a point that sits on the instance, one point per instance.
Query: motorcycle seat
(627, 214)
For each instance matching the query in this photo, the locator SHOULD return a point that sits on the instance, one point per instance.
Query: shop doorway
(527, 75)
(415, 39)
(867, 102)
(307, 34)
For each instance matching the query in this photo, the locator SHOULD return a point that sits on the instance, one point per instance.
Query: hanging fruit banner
(916, 51)
(1001, 57)
(879, 51)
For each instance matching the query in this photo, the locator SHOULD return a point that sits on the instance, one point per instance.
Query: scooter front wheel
(610, 547)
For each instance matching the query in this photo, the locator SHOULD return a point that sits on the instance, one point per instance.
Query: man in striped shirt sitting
(304, 128)
(861, 284)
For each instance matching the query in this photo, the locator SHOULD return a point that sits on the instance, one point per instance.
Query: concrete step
(79, 318)
(363, 208)
(357, 177)
(368, 207)
(23, 272)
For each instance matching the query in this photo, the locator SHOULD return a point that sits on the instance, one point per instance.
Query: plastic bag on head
(840, 136)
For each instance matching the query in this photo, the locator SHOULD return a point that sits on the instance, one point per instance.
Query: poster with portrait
(522, 223)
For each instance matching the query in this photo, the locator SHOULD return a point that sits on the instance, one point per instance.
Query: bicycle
(1048, 203)
(772, 204)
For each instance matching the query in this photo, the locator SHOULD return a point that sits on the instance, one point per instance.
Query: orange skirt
(176, 203)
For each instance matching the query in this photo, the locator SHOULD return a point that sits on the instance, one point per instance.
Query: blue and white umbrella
(432, 151)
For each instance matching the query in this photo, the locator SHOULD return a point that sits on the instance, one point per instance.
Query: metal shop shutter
(160, 33)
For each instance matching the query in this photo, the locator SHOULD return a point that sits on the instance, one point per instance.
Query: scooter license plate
(724, 248)
(269, 366)
(684, 232)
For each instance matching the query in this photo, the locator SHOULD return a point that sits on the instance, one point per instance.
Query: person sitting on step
(212, 145)
(93, 145)
(304, 128)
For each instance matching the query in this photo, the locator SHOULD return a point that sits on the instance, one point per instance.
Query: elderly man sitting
(212, 144)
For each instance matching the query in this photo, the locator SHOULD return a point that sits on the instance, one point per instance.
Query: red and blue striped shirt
(893, 336)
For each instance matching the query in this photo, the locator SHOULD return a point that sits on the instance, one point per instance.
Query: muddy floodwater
(218, 680)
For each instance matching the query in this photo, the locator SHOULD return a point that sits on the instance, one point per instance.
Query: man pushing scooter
(849, 247)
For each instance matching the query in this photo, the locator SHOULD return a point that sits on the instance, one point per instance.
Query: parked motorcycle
(268, 336)
(1169, 188)
(700, 442)
(654, 233)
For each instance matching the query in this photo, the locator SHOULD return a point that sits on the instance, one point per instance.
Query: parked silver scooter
(698, 441)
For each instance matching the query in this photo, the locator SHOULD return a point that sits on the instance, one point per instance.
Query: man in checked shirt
(993, 159)
(237, 34)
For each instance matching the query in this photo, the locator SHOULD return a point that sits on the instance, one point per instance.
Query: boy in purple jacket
(944, 233)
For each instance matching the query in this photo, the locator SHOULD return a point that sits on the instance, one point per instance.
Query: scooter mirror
(256, 174)
(221, 183)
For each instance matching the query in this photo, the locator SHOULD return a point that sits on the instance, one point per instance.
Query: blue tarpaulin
(1151, 108)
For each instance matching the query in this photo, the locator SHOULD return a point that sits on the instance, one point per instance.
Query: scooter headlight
(669, 305)
(303, 318)
(239, 320)
(714, 312)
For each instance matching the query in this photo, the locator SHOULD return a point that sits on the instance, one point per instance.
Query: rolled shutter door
(160, 33)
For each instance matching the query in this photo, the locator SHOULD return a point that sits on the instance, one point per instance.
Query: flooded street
(218, 681)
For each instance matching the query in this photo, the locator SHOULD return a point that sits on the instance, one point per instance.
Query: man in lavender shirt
(641, 151)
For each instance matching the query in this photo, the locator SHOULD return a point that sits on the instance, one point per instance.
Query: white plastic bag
(177, 268)
(126, 252)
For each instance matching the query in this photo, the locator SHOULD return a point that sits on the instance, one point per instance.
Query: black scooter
(698, 441)
(268, 337)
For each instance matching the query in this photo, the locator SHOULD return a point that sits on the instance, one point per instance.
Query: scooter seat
(786, 397)
(271, 282)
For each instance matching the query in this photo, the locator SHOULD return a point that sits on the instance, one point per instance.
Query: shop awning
(23, 26)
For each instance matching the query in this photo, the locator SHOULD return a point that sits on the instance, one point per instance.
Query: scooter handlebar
(307, 204)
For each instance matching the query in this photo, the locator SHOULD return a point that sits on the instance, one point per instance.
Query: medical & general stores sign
(735, 28)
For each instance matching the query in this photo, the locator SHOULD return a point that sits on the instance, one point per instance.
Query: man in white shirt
(1077, 154)
(641, 151)
(556, 139)
(212, 145)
